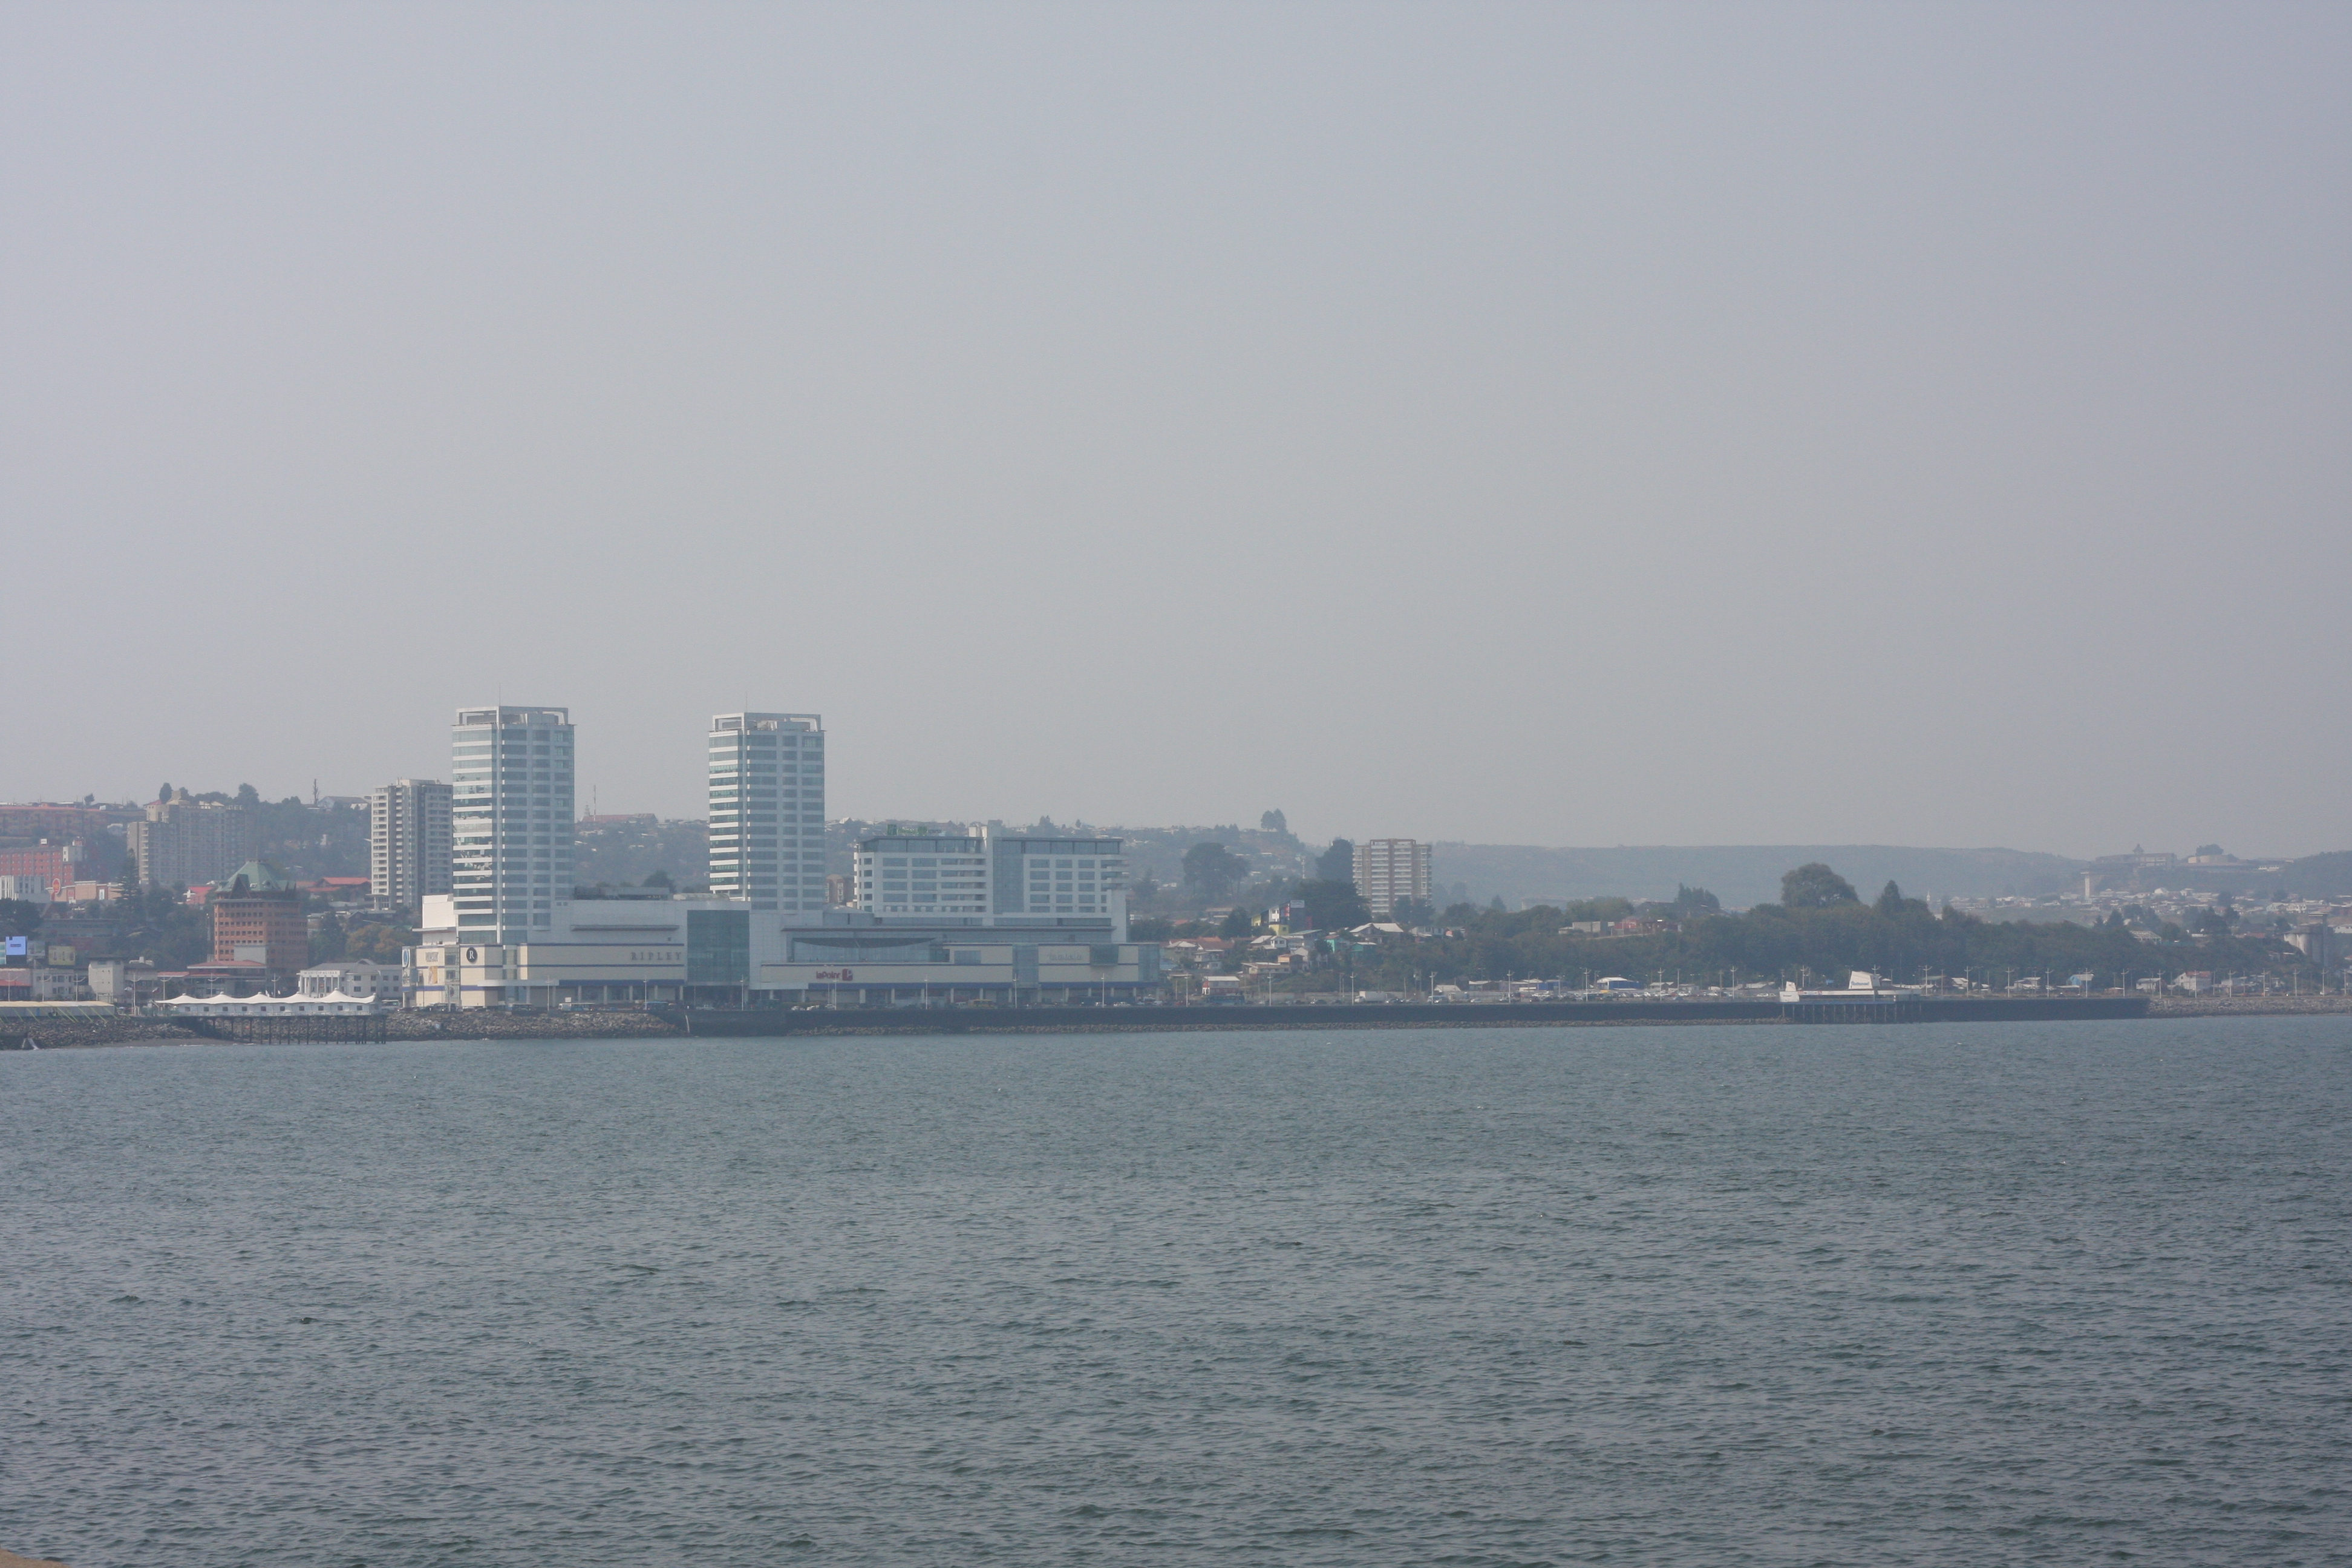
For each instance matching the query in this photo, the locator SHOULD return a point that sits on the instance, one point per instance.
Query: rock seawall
(2244, 1007)
(53, 1034)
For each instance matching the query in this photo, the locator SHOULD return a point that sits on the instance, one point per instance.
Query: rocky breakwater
(486, 1024)
(2244, 1007)
(56, 1034)
(495, 1024)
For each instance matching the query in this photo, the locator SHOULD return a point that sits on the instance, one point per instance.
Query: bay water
(2014, 1293)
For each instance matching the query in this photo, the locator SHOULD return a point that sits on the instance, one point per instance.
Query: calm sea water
(2041, 1293)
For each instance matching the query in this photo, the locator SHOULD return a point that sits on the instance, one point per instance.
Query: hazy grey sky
(1539, 423)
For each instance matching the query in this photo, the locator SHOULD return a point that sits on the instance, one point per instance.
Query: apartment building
(766, 810)
(511, 857)
(1390, 870)
(186, 843)
(408, 841)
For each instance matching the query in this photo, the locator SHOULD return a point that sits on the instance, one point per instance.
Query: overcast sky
(1545, 423)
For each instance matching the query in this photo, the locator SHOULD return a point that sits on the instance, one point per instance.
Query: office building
(510, 820)
(919, 871)
(766, 810)
(693, 951)
(186, 843)
(55, 824)
(1390, 870)
(25, 889)
(594, 950)
(408, 841)
(56, 866)
(949, 918)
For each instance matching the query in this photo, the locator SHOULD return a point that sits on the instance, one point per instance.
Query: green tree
(379, 943)
(1890, 899)
(658, 880)
(19, 917)
(1272, 822)
(1337, 864)
(329, 941)
(1332, 905)
(1212, 871)
(1691, 902)
(1814, 886)
(1238, 926)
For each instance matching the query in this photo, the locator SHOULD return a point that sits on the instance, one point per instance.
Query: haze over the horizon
(1544, 424)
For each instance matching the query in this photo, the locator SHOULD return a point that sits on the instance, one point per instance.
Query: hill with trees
(1817, 932)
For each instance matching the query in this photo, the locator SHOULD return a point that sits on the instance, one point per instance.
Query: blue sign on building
(20, 947)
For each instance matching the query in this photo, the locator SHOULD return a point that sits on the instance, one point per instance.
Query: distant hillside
(2319, 875)
(1740, 875)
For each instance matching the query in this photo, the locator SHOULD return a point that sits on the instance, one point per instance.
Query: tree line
(1818, 933)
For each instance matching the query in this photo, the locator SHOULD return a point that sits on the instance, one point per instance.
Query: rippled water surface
(2036, 1293)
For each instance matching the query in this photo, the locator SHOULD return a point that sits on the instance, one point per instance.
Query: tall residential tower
(1390, 870)
(408, 840)
(510, 820)
(766, 810)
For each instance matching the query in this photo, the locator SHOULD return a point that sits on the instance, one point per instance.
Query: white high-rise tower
(1390, 870)
(766, 810)
(510, 820)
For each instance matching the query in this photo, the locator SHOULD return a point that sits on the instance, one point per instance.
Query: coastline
(83, 1034)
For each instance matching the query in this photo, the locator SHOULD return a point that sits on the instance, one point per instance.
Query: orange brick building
(257, 918)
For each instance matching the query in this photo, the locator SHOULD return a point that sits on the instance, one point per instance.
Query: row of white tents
(334, 1003)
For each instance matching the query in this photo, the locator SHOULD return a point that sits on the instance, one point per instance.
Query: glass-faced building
(510, 820)
(766, 810)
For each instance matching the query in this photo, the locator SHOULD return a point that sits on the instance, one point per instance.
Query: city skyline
(693, 764)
